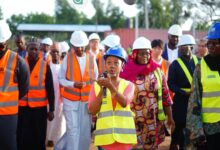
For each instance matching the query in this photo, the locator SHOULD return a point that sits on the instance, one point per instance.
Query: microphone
(105, 75)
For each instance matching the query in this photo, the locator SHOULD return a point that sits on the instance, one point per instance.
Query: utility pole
(146, 14)
(136, 25)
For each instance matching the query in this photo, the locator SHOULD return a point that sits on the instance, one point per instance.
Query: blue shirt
(22, 53)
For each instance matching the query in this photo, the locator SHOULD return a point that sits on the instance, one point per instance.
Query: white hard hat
(47, 41)
(111, 40)
(186, 39)
(64, 46)
(5, 32)
(94, 36)
(175, 30)
(141, 43)
(79, 39)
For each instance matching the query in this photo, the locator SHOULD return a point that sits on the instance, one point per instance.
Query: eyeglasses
(145, 52)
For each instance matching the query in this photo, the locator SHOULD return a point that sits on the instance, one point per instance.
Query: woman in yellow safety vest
(109, 99)
(203, 117)
(151, 95)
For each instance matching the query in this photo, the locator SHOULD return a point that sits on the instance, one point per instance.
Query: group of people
(134, 97)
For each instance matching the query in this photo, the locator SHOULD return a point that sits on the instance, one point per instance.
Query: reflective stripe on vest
(73, 73)
(116, 113)
(115, 130)
(186, 71)
(48, 59)
(211, 94)
(161, 115)
(37, 95)
(8, 88)
(114, 125)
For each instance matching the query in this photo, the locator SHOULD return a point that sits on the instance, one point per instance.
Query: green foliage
(14, 21)
(39, 18)
(30, 18)
(65, 14)
(202, 26)
(115, 17)
(161, 13)
(112, 15)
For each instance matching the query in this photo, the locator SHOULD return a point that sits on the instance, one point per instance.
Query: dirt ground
(163, 146)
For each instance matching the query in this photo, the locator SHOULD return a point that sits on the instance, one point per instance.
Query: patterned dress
(196, 130)
(150, 131)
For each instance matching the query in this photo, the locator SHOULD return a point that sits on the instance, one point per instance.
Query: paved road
(163, 146)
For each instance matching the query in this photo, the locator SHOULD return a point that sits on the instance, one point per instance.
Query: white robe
(78, 119)
(57, 127)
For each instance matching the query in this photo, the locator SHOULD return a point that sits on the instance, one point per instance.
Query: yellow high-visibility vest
(161, 116)
(211, 94)
(114, 125)
(186, 71)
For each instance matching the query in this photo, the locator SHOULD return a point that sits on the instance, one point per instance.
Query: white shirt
(45, 55)
(159, 62)
(94, 53)
(82, 63)
(172, 54)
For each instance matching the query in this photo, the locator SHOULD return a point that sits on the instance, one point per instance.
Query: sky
(10, 7)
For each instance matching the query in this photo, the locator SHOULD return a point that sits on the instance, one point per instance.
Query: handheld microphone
(105, 75)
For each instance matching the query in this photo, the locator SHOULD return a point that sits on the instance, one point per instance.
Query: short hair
(157, 43)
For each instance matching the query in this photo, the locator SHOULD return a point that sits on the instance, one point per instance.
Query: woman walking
(151, 96)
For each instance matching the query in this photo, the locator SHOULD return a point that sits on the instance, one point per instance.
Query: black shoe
(50, 144)
(173, 147)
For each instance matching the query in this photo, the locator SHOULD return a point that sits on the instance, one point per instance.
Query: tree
(203, 12)
(65, 14)
(42, 18)
(14, 20)
(115, 16)
(112, 15)
(39, 18)
(162, 14)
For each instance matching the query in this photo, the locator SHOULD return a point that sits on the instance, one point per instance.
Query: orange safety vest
(73, 73)
(8, 87)
(37, 95)
(165, 66)
(49, 58)
(100, 63)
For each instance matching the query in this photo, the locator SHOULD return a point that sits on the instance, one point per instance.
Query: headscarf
(131, 69)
